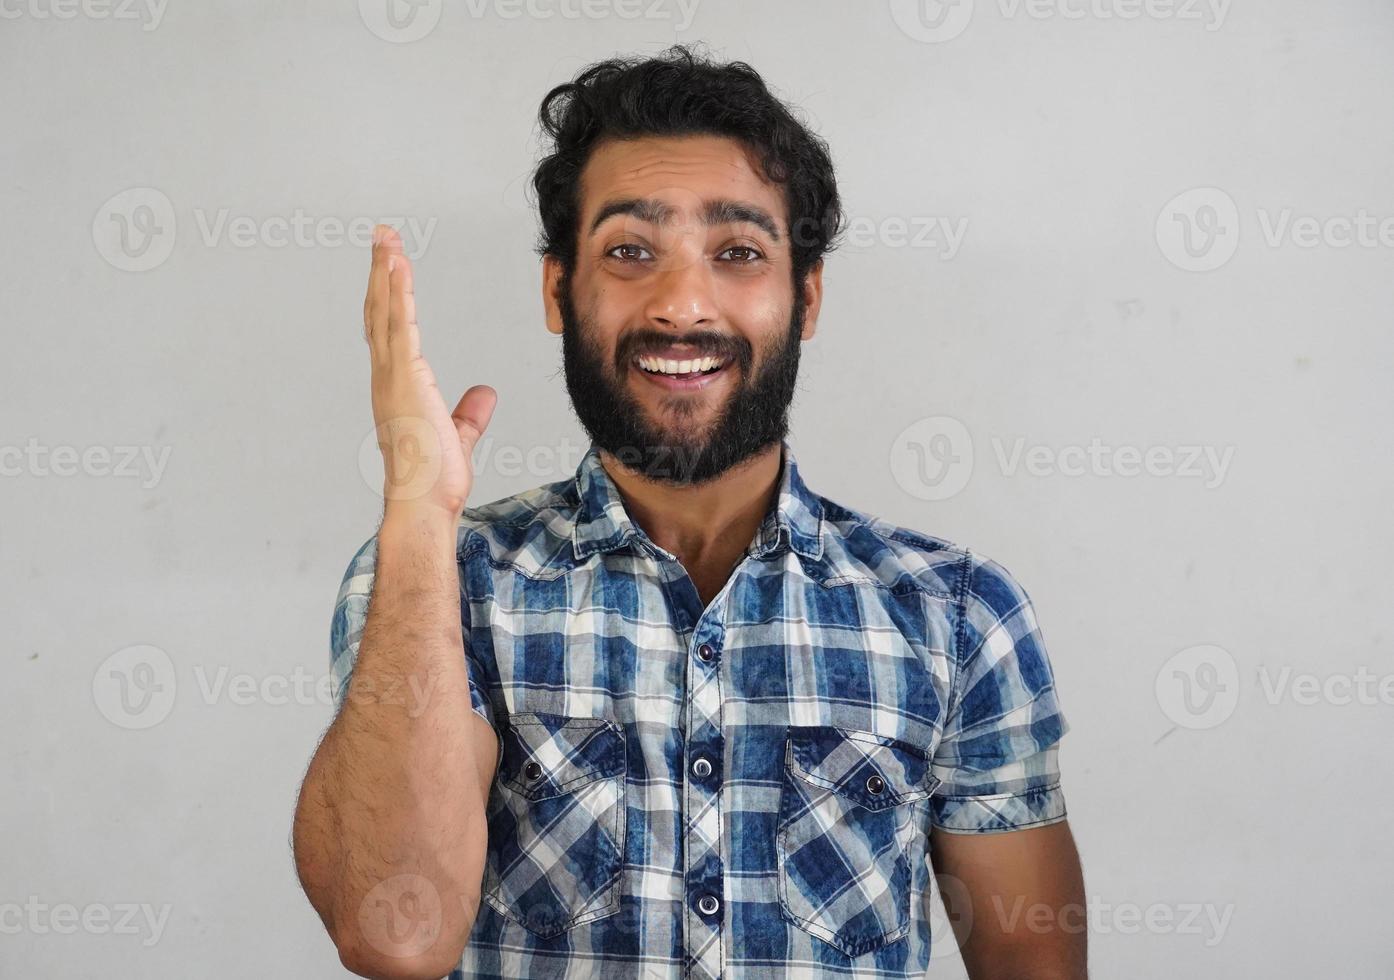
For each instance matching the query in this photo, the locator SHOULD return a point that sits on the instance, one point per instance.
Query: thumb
(472, 415)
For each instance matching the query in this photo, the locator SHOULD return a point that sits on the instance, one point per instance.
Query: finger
(403, 338)
(376, 301)
(472, 415)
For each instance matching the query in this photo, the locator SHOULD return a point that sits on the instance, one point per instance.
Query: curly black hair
(678, 93)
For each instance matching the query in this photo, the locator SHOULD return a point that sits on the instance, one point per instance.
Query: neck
(708, 524)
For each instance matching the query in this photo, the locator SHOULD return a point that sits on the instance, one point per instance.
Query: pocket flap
(546, 755)
(873, 771)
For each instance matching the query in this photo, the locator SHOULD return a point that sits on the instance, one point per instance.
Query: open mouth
(693, 372)
(684, 370)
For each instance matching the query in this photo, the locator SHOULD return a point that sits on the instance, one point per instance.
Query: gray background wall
(1219, 625)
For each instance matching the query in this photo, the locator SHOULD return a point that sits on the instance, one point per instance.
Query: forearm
(394, 788)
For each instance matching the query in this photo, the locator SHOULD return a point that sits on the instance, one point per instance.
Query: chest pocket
(849, 833)
(557, 822)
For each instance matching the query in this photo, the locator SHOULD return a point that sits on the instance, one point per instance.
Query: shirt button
(708, 904)
(532, 770)
(706, 652)
(702, 768)
(874, 784)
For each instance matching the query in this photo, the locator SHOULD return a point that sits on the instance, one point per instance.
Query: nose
(683, 296)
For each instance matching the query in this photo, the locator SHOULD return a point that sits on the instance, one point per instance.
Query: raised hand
(425, 448)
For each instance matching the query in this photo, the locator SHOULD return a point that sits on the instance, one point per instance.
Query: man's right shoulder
(528, 530)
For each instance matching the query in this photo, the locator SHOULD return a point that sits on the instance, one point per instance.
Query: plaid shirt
(743, 790)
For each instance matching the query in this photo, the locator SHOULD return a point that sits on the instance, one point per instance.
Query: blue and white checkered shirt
(746, 789)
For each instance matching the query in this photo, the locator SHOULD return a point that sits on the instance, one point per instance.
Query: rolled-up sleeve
(351, 615)
(997, 757)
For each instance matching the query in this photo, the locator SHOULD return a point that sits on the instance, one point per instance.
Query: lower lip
(670, 383)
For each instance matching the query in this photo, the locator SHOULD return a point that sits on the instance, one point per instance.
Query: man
(679, 715)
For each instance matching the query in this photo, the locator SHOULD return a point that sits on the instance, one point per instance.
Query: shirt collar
(602, 523)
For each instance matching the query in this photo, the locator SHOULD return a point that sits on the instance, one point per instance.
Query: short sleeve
(351, 615)
(997, 757)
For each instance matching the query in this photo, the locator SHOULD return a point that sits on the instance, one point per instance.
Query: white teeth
(689, 366)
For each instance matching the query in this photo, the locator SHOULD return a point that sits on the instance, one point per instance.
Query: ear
(551, 292)
(813, 299)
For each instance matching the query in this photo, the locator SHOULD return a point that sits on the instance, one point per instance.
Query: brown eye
(750, 254)
(629, 248)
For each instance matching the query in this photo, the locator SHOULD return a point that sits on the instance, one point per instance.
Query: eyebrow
(718, 212)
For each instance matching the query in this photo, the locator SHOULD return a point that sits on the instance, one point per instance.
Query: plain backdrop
(1114, 310)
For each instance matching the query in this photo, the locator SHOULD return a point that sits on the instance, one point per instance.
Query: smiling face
(680, 324)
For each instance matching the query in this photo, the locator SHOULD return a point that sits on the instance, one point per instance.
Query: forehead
(684, 171)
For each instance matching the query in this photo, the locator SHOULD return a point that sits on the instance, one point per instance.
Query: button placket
(702, 812)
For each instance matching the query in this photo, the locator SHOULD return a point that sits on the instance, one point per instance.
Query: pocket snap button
(874, 784)
(532, 770)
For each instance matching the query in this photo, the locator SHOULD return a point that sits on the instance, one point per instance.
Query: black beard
(755, 415)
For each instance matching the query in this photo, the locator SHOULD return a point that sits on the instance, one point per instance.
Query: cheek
(759, 315)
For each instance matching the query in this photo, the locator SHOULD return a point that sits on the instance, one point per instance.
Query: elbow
(383, 957)
(402, 963)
